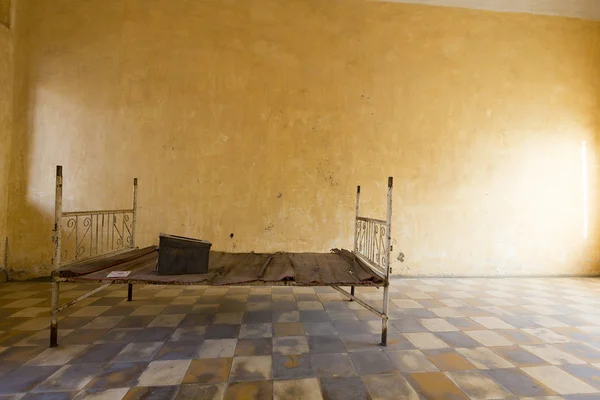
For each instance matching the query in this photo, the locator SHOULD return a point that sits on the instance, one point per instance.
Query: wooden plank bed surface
(340, 267)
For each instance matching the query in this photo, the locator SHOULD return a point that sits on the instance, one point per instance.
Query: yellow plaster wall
(6, 78)
(259, 119)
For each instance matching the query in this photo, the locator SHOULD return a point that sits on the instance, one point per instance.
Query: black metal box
(180, 255)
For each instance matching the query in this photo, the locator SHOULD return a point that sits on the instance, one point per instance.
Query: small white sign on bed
(118, 274)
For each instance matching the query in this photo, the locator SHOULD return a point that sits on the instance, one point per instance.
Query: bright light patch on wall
(585, 188)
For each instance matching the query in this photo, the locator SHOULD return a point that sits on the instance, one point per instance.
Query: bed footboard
(372, 244)
(81, 235)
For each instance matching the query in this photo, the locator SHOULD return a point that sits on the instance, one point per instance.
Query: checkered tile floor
(449, 339)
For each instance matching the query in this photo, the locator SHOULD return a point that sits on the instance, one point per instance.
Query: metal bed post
(386, 288)
(135, 185)
(56, 257)
(356, 229)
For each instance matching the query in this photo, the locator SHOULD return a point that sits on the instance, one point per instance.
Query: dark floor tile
(314, 316)
(122, 310)
(282, 290)
(337, 365)
(420, 313)
(464, 323)
(222, 332)
(587, 373)
(581, 397)
(5, 369)
(201, 392)
(292, 366)
(474, 311)
(519, 337)
(7, 324)
(74, 322)
(285, 305)
(518, 356)
(210, 300)
(372, 362)
(350, 327)
(288, 329)
(107, 301)
(258, 390)
(571, 320)
(581, 351)
(99, 353)
(286, 316)
(135, 321)
(576, 334)
(120, 335)
(191, 334)
(12, 337)
(325, 344)
(259, 306)
(344, 389)
(254, 368)
(361, 342)
(177, 309)
(155, 334)
(306, 297)
(178, 350)
(83, 336)
(254, 347)
(457, 339)
(151, 393)
(338, 306)
(259, 298)
(518, 322)
(24, 379)
(233, 306)
(519, 382)
(70, 377)
(257, 317)
(366, 315)
(396, 341)
(50, 396)
(408, 326)
(156, 301)
(208, 371)
(565, 310)
(326, 289)
(138, 352)
(429, 303)
(319, 328)
(118, 375)
(341, 315)
(18, 355)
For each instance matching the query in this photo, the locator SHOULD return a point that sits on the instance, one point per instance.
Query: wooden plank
(98, 264)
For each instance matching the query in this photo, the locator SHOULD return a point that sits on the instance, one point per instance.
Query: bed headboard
(372, 236)
(80, 235)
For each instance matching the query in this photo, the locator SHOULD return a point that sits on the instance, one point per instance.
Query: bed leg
(54, 316)
(384, 332)
(351, 292)
(384, 320)
(129, 291)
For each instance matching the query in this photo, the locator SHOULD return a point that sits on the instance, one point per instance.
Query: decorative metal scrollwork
(370, 240)
(91, 234)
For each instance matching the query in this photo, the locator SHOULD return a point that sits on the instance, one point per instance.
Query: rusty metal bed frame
(93, 235)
